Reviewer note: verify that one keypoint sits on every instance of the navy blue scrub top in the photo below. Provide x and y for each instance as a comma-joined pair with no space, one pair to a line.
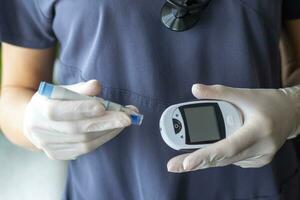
123,44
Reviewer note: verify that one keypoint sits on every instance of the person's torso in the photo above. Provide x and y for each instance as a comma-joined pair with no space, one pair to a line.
123,44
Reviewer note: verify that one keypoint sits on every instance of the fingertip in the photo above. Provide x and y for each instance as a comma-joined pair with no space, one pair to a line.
199,90
133,108
93,81
169,167
92,87
176,164
197,86
89,88
174,167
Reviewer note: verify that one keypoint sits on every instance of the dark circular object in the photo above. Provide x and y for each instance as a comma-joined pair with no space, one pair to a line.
178,19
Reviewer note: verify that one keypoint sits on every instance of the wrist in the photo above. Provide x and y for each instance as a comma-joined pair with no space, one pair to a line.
12,104
293,97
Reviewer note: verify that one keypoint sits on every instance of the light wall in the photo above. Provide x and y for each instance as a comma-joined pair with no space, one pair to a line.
29,175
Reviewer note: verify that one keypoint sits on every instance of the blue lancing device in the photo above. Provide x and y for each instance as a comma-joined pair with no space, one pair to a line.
60,93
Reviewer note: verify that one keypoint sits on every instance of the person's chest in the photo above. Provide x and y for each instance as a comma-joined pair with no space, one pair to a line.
101,38
136,14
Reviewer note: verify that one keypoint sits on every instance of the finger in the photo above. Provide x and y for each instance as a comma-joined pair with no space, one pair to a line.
175,164
224,152
67,110
45,137
218,92
255,162
54,153
109,120
72,151
133,108
90,88
85,147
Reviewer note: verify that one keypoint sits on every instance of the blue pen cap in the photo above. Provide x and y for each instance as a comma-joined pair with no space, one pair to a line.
45,89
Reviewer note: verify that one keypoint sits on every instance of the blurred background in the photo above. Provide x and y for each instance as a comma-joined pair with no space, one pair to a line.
29,175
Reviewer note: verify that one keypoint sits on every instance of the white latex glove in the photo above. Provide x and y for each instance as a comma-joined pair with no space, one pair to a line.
67,129
270,117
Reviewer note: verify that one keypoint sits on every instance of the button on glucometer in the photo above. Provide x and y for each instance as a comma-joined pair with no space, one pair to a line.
177,125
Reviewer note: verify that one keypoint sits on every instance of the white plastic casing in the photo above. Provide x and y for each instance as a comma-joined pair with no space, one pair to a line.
233,120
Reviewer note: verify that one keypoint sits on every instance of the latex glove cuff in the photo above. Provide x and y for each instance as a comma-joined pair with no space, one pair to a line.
293,94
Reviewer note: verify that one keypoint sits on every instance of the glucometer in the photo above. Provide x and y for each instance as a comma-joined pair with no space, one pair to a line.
194,125
60,93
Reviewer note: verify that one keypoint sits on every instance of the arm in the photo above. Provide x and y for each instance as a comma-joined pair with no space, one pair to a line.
63,130
22,71
290,48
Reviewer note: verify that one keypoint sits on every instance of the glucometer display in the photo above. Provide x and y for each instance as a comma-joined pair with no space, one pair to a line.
203,123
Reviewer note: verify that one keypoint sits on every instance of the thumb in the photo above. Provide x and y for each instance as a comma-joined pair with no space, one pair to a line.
218,92
89,88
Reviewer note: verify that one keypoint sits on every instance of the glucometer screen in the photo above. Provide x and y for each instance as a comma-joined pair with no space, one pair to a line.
203,124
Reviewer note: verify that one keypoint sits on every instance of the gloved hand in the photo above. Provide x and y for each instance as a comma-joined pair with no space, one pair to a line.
270,117
67,129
